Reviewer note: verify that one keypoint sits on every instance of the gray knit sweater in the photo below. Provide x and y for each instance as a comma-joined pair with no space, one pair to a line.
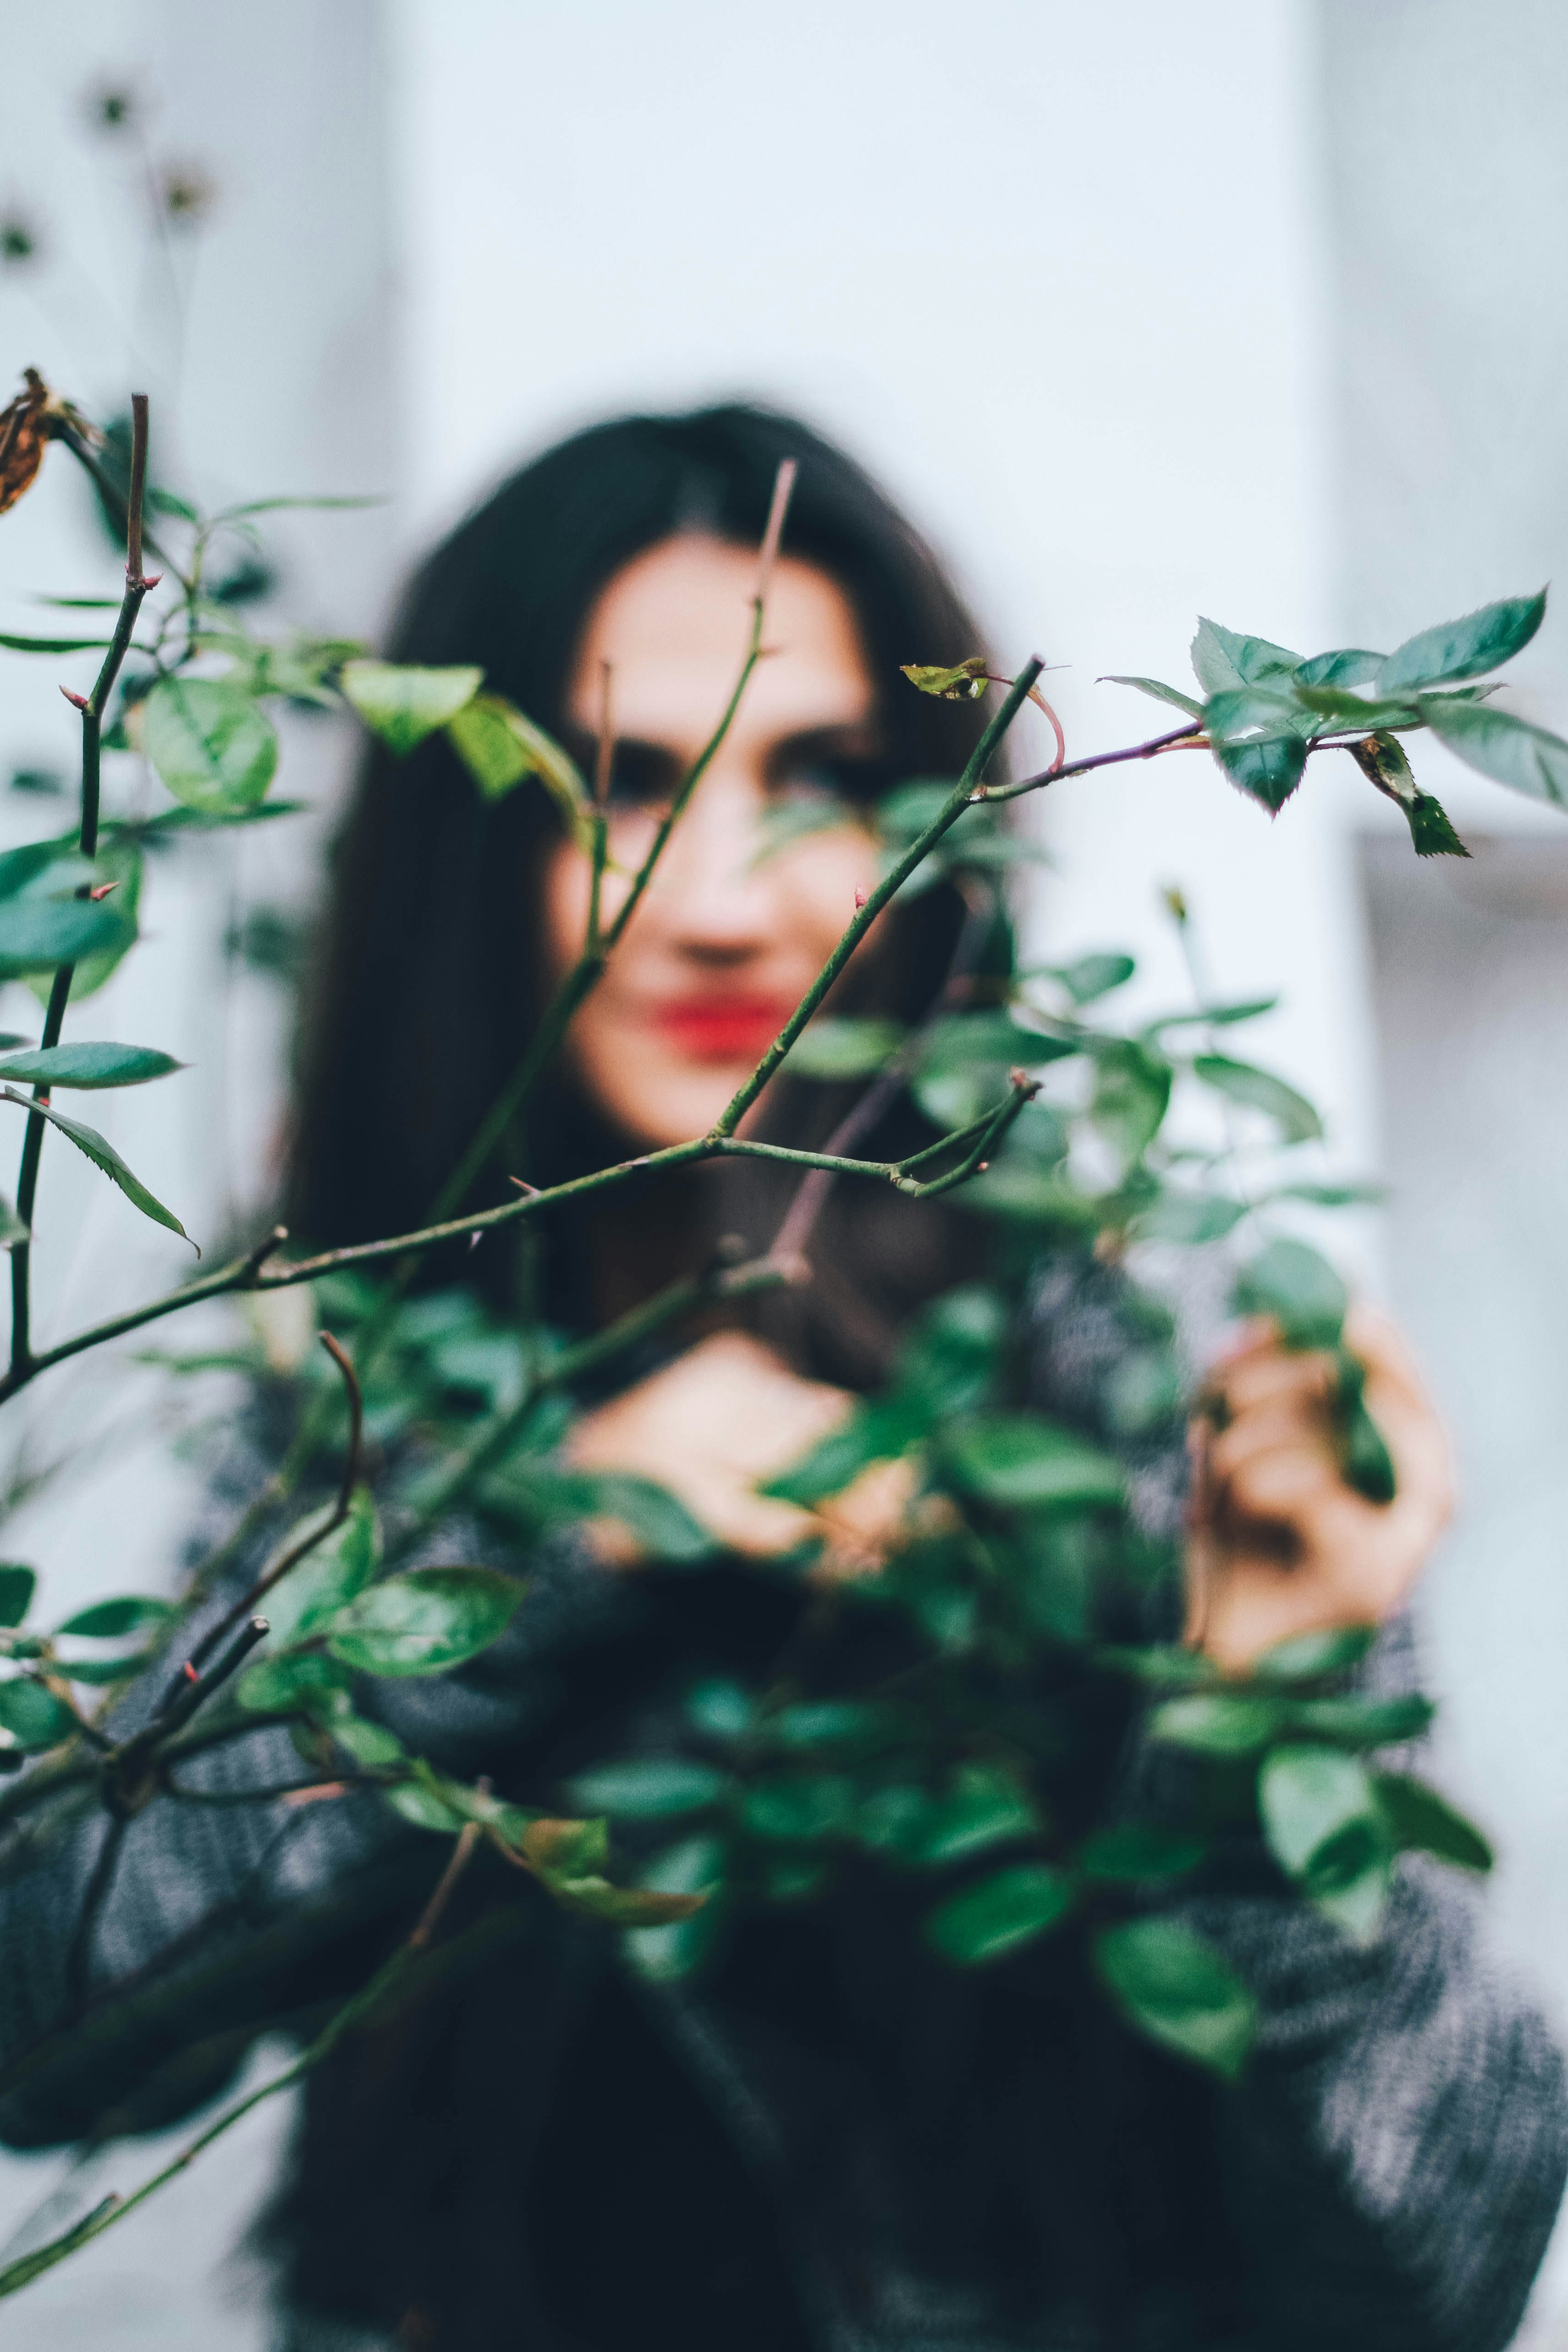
1389,2167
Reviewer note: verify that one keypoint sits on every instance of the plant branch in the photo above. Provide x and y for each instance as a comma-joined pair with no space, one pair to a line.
308,1543
1190,738
952,809
407,1965
92,711
585,974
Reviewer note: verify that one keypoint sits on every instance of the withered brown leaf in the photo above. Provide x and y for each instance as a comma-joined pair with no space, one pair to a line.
35,416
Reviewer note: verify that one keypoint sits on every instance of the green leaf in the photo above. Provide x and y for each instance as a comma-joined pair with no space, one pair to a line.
962,683
1132,1093
648,1789
1259,739
482,736
17,1586
827,1723
1212,1017
665,1954
1323,1824
878,1430
1507,749
422,1807
1306,1656
33,1716
1431,832
986,1808
785,822
1463,648
1306,1795
213,746
722,1709
1299,1289
88,1066
950,1358
100,1671
1352,665
1160,692
663,1527
500,747
800,1810
844,1047
1255,1089
1129,1852
299,1678
425,1620
402,704
1093,976
1024,1461
119,860
128,1613
1188,1217
1330,1196
20,867
1421,1819
1174,1987
1363,1722
1217,1723
1221,660
103,1155
54,645
369,1743
39,934
329,1577
1001,1914
278,506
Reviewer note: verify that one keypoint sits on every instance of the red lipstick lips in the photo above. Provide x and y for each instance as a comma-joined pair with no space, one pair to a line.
730,1028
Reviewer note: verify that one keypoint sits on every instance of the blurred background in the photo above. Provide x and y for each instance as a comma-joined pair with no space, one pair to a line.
1253,308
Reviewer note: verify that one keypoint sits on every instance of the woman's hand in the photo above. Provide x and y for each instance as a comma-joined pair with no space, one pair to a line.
1279,1543
723,1417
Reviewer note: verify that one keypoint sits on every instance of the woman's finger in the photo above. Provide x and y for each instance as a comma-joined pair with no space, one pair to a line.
1273,1372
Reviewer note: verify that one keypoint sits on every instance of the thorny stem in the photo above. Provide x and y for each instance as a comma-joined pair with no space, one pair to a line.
586,973
92,711
952,809
1190,738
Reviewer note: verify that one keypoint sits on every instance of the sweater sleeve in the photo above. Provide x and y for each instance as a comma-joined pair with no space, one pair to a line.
1398,2148
137,1958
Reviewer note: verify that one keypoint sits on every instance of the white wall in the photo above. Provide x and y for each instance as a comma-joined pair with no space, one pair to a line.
1053,272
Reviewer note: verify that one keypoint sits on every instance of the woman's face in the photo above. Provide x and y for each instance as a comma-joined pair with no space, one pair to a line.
725,941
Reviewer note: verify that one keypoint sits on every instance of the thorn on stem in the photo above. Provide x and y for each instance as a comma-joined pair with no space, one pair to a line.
860,901
78,701
532,1190
103,891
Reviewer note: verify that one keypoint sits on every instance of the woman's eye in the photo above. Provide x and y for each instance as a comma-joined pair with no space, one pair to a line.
853,782
641,776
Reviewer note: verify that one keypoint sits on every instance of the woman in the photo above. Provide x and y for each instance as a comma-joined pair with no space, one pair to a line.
832,2140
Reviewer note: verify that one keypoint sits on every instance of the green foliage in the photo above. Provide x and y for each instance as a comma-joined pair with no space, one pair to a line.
1001,1914
103,1156
1171,1985
17,1586
425,1620
89,1066
403,704
212,746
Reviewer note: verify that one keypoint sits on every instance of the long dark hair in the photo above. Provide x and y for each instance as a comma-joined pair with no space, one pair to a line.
426,989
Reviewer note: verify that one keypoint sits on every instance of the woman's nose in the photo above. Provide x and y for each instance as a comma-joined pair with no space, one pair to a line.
710,892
